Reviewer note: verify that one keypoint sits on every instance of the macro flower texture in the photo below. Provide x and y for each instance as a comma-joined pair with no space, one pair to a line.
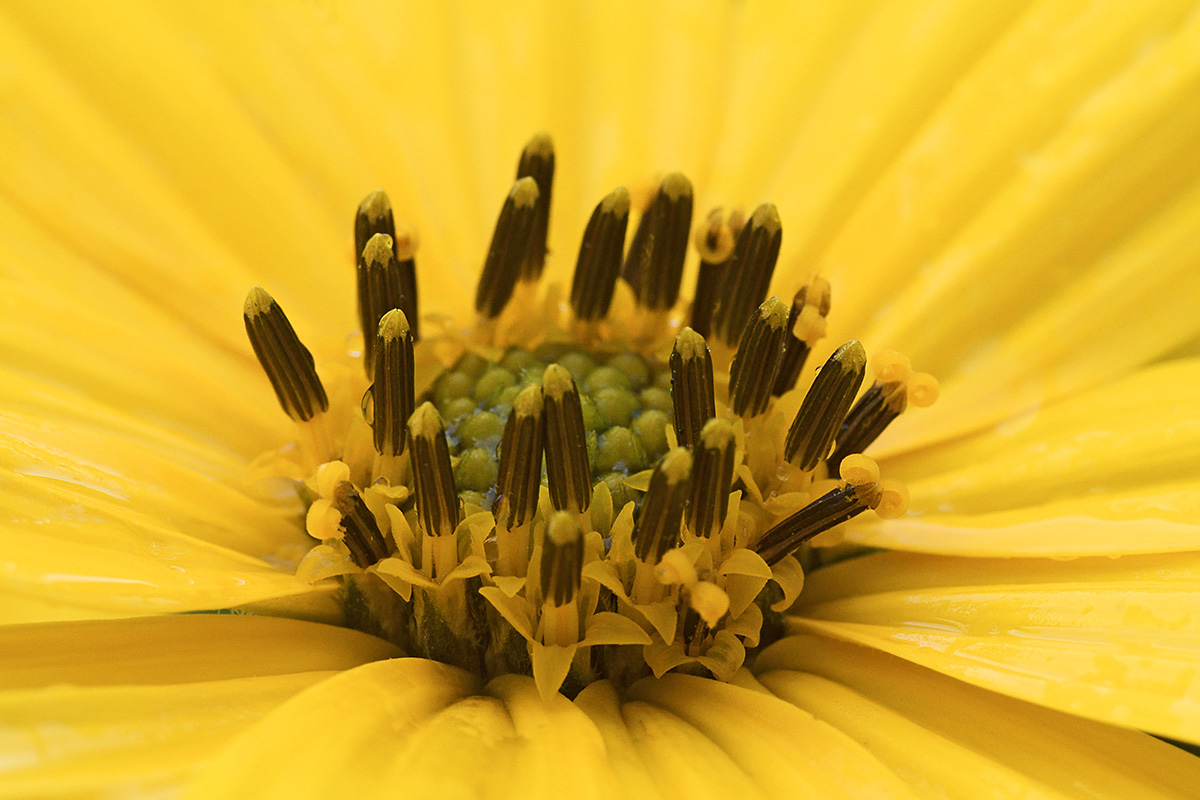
647,400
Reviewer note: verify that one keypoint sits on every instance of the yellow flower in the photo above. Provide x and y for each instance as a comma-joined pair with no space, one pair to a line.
1006,192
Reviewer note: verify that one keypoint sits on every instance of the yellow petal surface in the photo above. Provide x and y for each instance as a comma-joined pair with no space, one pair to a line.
1115,462
339,737
1116,640
947,738
786,751
72,741
183,649
1117,163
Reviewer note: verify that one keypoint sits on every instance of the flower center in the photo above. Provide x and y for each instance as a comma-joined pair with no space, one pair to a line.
604,486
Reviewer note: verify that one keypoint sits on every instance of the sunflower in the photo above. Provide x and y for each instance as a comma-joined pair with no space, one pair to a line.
995,190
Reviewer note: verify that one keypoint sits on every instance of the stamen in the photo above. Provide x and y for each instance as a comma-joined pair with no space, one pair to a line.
520,460
437,502
714,240
748,274
895,387
537,162
363,539
711,478
510,243
599,262
825,405
691,386
393,393
838,506
562,559
378,291
752,373
657,527
288,363
874,411
567,471
806,327
374,216
654,265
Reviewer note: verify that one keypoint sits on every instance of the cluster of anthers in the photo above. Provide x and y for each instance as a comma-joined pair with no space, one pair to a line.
573,489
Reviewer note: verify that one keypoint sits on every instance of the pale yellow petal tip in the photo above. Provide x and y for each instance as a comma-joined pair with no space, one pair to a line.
425,422
557,381
859,470
257,302
393,325
923,390
676,185
714,238
407,242
689,345
890,366
563,528
378,250
375,206
541,144
716,434
893,499
774,312
709,601
766,216
677,465
616,202
524,193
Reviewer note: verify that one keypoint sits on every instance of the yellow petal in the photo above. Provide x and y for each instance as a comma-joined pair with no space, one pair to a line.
342,736
601,703
942,747
1116,640
683,761
1152,519
1139,431
183,649
787,752
1121,156
558,746
131,740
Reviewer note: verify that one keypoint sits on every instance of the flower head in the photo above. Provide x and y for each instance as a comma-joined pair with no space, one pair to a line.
1005,194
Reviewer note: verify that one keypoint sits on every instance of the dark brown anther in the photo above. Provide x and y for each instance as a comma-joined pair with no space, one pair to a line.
363,538
834,508
374,215
712,477
714,241
654,264
393,393
288,363
521,449
752,373
510,242
537,162
869,417
748,275
806,326
691,386
568,473
562,559
825,406
599,262
656,529
437,502
378,291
